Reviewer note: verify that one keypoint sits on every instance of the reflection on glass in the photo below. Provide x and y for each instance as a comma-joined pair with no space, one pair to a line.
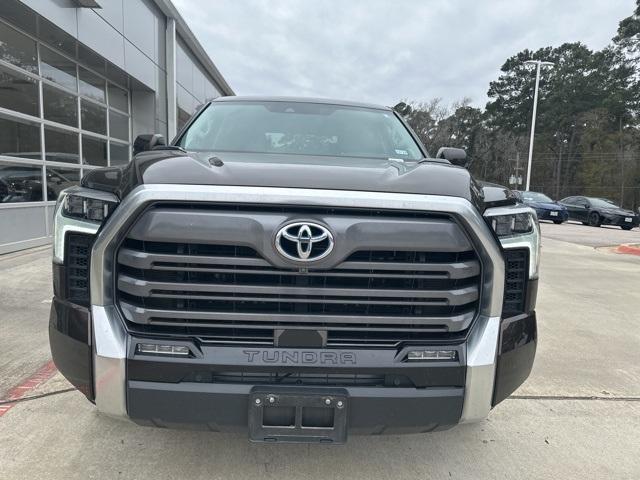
20,183
91,59
18,14
118,125
94,117
55,36
91,85
60,146
94,151
57,68
118,98
116,74
120,154
59,106
18,49
60,178
18,92
18,139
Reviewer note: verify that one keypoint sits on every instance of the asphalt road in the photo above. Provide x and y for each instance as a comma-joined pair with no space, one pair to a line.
605,236
578,415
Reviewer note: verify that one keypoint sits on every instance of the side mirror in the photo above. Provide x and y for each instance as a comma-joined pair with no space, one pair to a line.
456,156
144,143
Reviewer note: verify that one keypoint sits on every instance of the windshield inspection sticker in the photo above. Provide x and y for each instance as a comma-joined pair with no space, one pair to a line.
402,152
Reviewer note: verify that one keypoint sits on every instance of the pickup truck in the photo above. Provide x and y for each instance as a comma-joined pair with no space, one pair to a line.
297,269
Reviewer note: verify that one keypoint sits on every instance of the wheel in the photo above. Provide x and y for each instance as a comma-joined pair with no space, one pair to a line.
626,227
594,219
557,222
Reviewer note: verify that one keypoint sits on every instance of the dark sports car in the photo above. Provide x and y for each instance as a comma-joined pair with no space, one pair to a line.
598,211
546,208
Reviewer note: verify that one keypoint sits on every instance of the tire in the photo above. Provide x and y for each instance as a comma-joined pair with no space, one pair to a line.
557,222
626,227
594,219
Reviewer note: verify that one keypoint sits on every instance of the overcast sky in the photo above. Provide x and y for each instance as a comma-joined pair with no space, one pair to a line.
383,51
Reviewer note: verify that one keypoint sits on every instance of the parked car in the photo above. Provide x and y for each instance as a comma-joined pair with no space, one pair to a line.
546,208
598,211
277,270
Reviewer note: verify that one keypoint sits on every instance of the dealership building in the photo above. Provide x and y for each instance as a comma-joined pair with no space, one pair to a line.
79,80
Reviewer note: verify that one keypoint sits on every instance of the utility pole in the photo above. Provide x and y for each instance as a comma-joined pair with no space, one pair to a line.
621,153
518,168
516,176
538,64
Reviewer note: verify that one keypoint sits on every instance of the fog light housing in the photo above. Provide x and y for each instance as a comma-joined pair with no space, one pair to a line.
431,355
159,349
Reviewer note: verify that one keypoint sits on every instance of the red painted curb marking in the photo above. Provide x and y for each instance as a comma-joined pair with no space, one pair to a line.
628,249
43,374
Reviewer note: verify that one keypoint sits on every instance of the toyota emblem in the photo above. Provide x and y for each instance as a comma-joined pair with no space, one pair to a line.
304,241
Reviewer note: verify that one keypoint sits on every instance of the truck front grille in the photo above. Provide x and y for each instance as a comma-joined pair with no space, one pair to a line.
231,294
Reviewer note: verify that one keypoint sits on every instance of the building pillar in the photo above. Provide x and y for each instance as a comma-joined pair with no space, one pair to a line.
172,111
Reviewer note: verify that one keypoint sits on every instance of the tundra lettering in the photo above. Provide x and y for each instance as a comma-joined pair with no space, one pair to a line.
292,357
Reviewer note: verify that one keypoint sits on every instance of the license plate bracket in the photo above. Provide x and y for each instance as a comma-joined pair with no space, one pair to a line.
296,415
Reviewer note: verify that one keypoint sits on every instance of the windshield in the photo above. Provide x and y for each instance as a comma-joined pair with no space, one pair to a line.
601,203
536,197
300,128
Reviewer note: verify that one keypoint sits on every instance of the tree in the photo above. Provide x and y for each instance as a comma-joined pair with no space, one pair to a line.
628,37
581,82
587,128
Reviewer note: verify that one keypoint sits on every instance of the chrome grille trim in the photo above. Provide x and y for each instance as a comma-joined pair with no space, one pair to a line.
199,319
145,288
154,261
102,292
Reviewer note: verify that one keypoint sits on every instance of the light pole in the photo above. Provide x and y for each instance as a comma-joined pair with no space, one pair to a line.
538,64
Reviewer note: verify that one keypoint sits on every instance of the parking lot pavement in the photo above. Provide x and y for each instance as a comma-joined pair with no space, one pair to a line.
578,416
605,236
25,299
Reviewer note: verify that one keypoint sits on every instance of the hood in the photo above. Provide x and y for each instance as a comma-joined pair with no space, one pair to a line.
293,171
546,205
618,211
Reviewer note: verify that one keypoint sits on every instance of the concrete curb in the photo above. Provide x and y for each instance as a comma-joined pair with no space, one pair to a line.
628,249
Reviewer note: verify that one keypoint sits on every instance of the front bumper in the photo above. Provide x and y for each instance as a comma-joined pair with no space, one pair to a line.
553,215
94,351
224,408
621,220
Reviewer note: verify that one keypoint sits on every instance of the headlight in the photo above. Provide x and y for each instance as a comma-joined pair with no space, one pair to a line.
517,227
79,210
513,224
86,208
